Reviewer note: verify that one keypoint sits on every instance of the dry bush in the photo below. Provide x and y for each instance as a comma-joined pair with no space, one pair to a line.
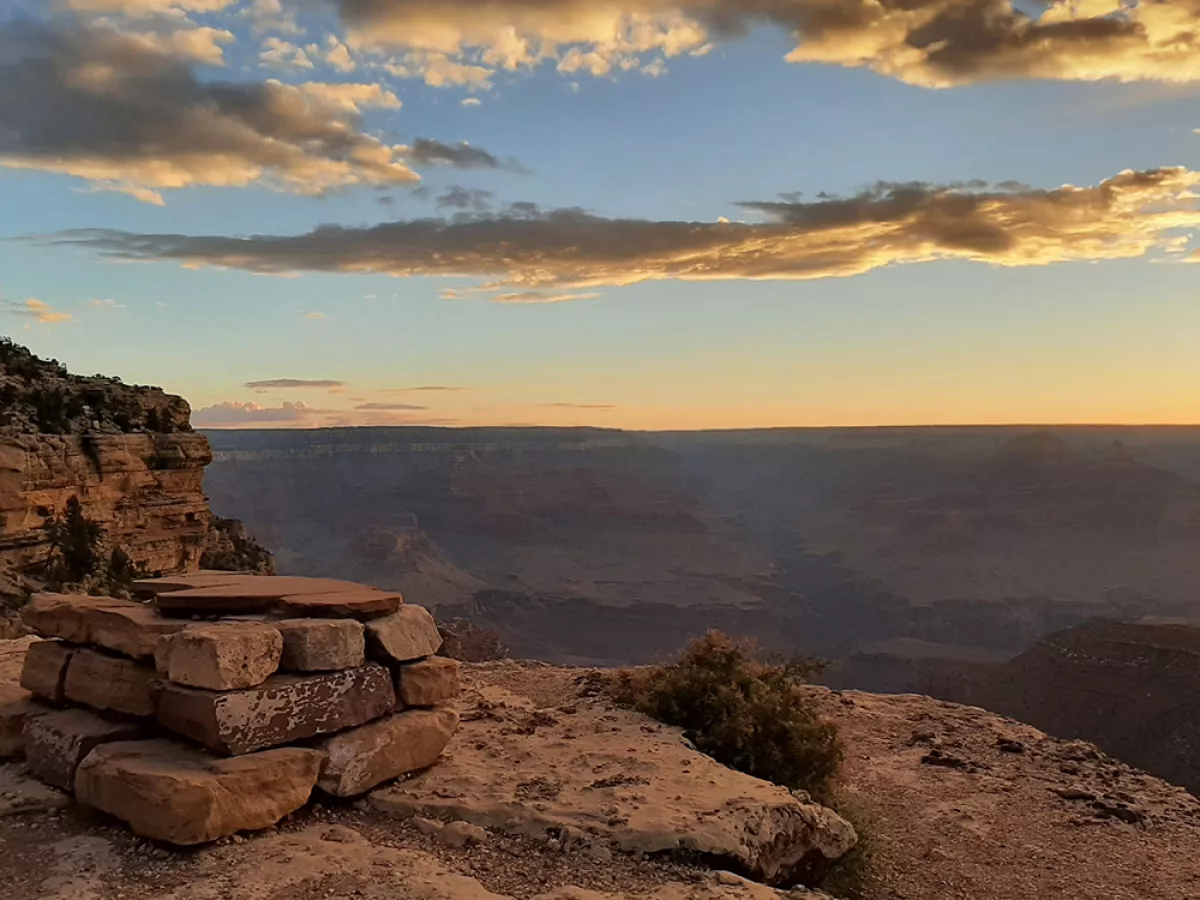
748,714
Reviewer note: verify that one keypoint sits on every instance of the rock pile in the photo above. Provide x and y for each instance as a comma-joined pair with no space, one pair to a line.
221,701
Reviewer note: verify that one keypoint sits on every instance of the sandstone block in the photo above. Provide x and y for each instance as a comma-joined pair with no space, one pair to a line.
237,593
173,793
406,635
428,682
223,657
322,645
57,742
358,760
45,669
123,626
284,709
14,715
364,603
106,682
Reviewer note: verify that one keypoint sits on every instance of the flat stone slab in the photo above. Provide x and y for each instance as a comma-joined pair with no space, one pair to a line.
365,603
364,758
169,792
617,775
45,671
249,594
429,682
224,656
57,742
284,709
113,683
123,626
322,645
406,635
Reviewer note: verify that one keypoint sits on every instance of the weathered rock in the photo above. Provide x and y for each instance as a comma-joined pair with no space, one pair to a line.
223,657
20,793
322,645
283,709
628,782
173,793
45,670
244,593
365,603
106,682
428,682
14,715
57,742
358,760
123,626
406,635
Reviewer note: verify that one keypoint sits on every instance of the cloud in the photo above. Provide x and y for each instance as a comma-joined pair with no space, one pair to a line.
108,108
200,44
462,198
37,310
438,388
388,407
315,315
597,407
439,70
933,43
539,297
280,54
293,383
471,101
135,8
242,413
352,97
336,53
1133,214
425,151
270,15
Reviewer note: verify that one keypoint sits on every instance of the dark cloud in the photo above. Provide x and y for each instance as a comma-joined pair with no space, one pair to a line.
126,115
428,152
286,383
1129,215
466,199
935,43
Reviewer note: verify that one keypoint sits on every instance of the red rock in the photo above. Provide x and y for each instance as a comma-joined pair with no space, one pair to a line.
57,742
123,626
247,594
14,715
406,635
169,792
428,682
360,759
284,709
45,669
106,682
365,603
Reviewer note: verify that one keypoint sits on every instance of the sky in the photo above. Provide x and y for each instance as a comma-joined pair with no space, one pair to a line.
645,214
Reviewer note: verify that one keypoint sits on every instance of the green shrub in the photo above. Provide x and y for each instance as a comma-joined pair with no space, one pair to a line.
74,546
748,714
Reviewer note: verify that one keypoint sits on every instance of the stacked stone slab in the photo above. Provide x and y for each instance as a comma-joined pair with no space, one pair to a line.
218,702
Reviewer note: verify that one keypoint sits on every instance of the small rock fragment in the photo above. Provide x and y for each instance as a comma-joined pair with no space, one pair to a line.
460,834
406,635
428,682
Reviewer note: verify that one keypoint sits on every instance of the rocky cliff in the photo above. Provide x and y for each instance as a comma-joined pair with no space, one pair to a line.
123,460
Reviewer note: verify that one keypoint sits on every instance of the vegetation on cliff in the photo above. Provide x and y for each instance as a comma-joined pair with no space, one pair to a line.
40,395
748,714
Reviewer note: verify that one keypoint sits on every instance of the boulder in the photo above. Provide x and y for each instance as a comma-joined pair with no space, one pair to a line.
14,715
406,635
122,626
106,682
283,709
236,593
365,603
223,657
45,669
623,779
428,682
363,758
57,742
322,645
169,792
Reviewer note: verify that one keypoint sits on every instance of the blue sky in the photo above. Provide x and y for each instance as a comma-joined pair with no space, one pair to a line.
1076,308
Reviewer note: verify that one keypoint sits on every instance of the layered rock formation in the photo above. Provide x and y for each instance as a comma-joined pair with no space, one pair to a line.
126,455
